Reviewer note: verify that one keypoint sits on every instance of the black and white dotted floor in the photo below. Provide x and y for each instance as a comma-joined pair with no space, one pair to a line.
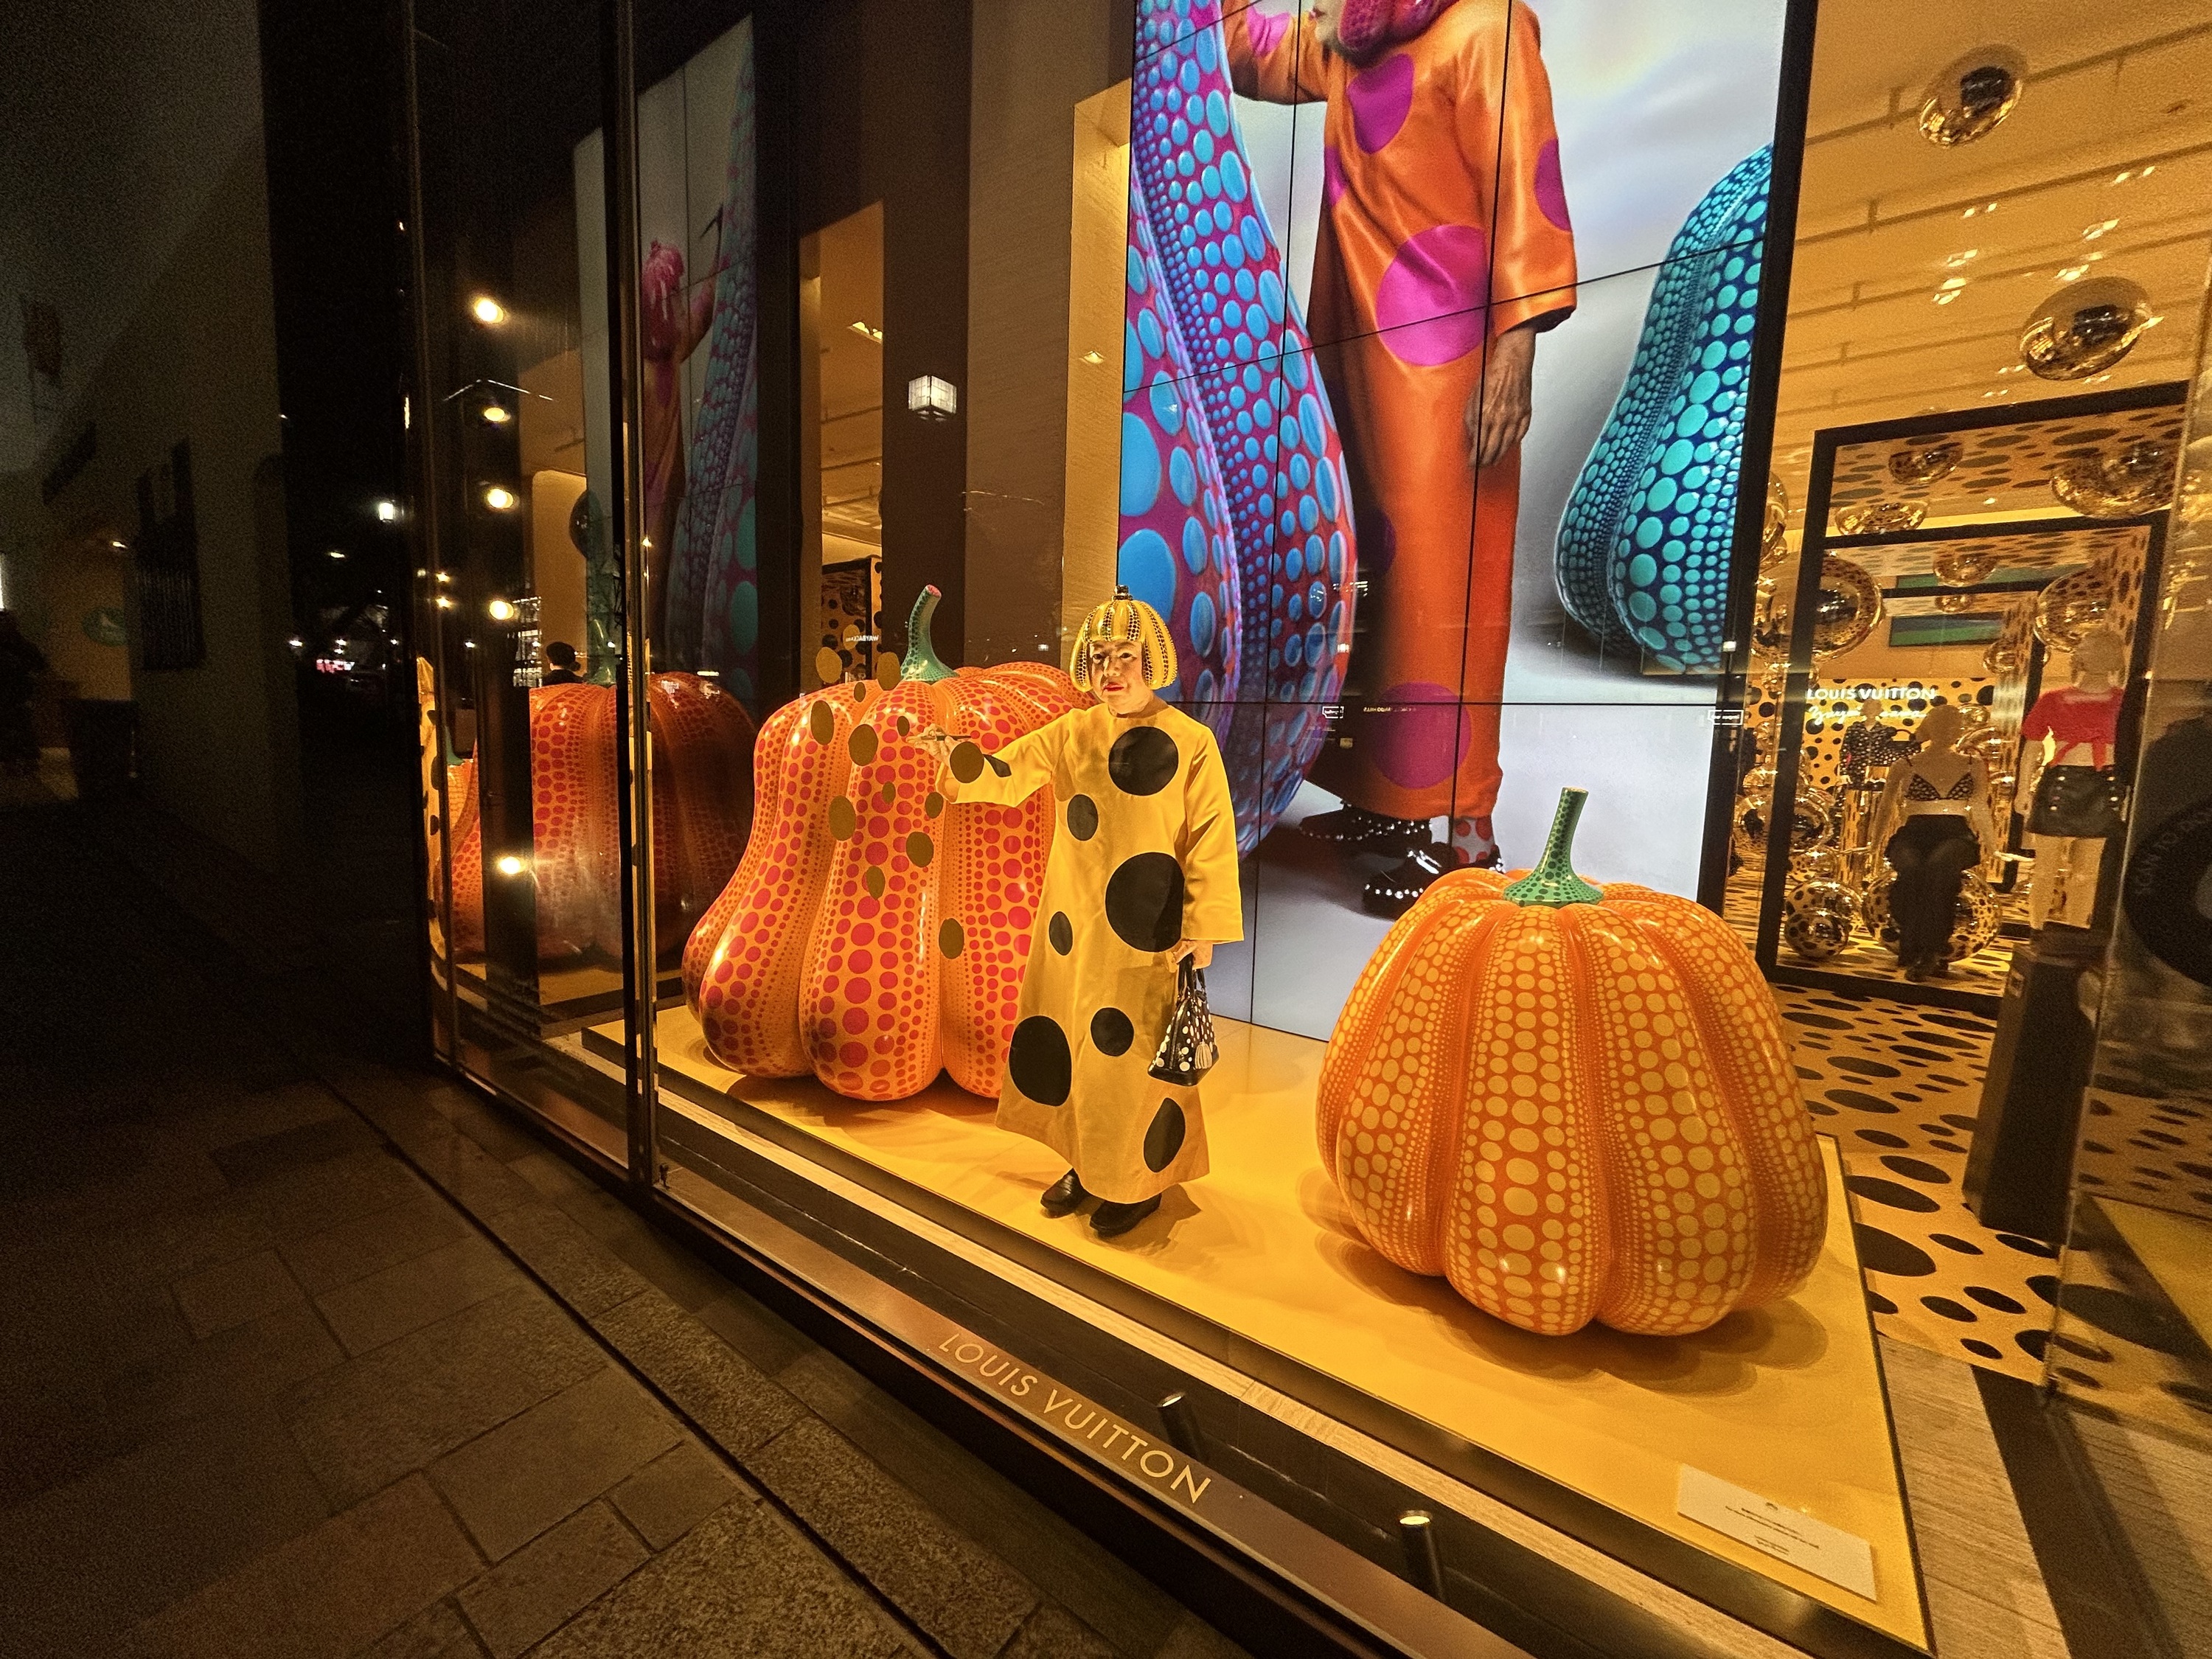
1899,1086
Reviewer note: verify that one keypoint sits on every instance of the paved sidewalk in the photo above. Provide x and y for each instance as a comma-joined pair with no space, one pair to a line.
267,1390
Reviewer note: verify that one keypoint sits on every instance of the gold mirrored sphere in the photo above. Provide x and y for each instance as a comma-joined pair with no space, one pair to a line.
1964,566
1846,607
1954,604
1971,95
2070,607
1777,518
2138,478
1879,517
1925,460
2084,328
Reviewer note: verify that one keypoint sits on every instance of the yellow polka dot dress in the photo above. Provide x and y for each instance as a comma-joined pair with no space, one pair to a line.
1144,854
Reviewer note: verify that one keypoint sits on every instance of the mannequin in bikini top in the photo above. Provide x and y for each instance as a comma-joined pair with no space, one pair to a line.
1938,780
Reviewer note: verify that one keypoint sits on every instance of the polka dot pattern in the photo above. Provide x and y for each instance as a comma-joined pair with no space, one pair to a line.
1247,548
1573,1114
1644,544
701,804
872,934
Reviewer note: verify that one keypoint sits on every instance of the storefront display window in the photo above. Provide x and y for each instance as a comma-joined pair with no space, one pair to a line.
1005,508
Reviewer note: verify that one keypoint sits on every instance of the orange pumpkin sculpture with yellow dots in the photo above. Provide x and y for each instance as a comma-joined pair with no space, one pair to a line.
872,934
1574,1102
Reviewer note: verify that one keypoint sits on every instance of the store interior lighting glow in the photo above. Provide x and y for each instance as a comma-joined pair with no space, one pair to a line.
511,865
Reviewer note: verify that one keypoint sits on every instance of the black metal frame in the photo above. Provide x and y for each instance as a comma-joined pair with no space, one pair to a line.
1790,727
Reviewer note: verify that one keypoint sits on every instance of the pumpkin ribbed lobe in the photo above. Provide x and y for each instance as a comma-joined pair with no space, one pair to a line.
1750,1055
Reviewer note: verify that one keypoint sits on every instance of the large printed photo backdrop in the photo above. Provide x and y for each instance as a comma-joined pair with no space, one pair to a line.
1338,208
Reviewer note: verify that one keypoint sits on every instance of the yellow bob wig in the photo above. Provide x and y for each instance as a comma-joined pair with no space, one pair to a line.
1124,619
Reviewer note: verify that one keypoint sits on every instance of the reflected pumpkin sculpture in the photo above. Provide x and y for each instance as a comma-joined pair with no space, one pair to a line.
873,935
702,741
1574,1102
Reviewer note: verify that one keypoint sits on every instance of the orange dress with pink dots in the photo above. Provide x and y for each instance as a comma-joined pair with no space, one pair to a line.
1443,225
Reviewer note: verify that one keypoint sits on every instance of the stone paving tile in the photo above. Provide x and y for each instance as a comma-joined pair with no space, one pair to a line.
86,1559
247,1163
700,1372
159,1248
739,1585
380,1416
436,1633
215,1298
512,1483
250,1114
475,1179
253,1364
386,1305
966,1598
582,1271
1051,1633
679,1274
1193,1638
538,1588
326,1593
549,1174
760,1335
354,1249
300,1203
674,1493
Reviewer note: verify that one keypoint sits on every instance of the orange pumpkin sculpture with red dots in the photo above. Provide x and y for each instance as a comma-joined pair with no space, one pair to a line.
702,741
1574,1104
873,934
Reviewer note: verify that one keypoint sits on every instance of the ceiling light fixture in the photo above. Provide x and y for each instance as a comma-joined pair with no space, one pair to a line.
387,511
501,611
487,311
496,414
499,498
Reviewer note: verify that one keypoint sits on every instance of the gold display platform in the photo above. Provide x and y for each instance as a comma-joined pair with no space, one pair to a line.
1786,1401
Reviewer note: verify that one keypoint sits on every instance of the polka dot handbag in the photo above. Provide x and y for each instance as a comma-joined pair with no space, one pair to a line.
1188,1050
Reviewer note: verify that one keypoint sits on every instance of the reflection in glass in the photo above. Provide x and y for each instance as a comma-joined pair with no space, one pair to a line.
1845,608
1879,517
2070,606
1925,462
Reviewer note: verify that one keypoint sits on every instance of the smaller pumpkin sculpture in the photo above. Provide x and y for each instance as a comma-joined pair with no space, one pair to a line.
702,742
873,934
1576,1103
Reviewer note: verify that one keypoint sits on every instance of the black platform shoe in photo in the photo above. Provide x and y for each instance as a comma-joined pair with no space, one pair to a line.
1063,1195
1355,830
1392,893
1112,1220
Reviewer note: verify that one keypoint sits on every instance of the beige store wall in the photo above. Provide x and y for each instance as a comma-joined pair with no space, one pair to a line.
218,744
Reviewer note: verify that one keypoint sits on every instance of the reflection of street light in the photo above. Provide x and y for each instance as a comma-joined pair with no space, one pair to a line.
496,414
387,511
499,498
487,311
501,611
337,553
511,865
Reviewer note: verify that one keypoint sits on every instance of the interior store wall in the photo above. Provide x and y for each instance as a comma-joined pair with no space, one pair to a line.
1021,219
218,744
855,145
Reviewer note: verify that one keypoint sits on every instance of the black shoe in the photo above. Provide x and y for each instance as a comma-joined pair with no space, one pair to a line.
1355,830
1393,892
1063,1195
1112,1220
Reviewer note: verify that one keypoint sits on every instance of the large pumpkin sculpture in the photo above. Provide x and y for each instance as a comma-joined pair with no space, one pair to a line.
1574,1102
702,741
873,935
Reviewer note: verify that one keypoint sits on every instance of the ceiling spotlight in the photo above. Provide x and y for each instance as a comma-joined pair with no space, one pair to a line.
387,511
511,865
502,611
499,498
496,414
487,311
337,553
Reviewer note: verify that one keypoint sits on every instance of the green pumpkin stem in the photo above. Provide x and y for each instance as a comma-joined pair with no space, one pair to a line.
922,662
1553,881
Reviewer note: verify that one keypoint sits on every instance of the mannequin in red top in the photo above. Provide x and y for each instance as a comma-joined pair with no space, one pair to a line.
2071,724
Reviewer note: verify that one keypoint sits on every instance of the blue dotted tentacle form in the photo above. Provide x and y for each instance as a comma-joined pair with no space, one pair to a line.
1235,517
1644,543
